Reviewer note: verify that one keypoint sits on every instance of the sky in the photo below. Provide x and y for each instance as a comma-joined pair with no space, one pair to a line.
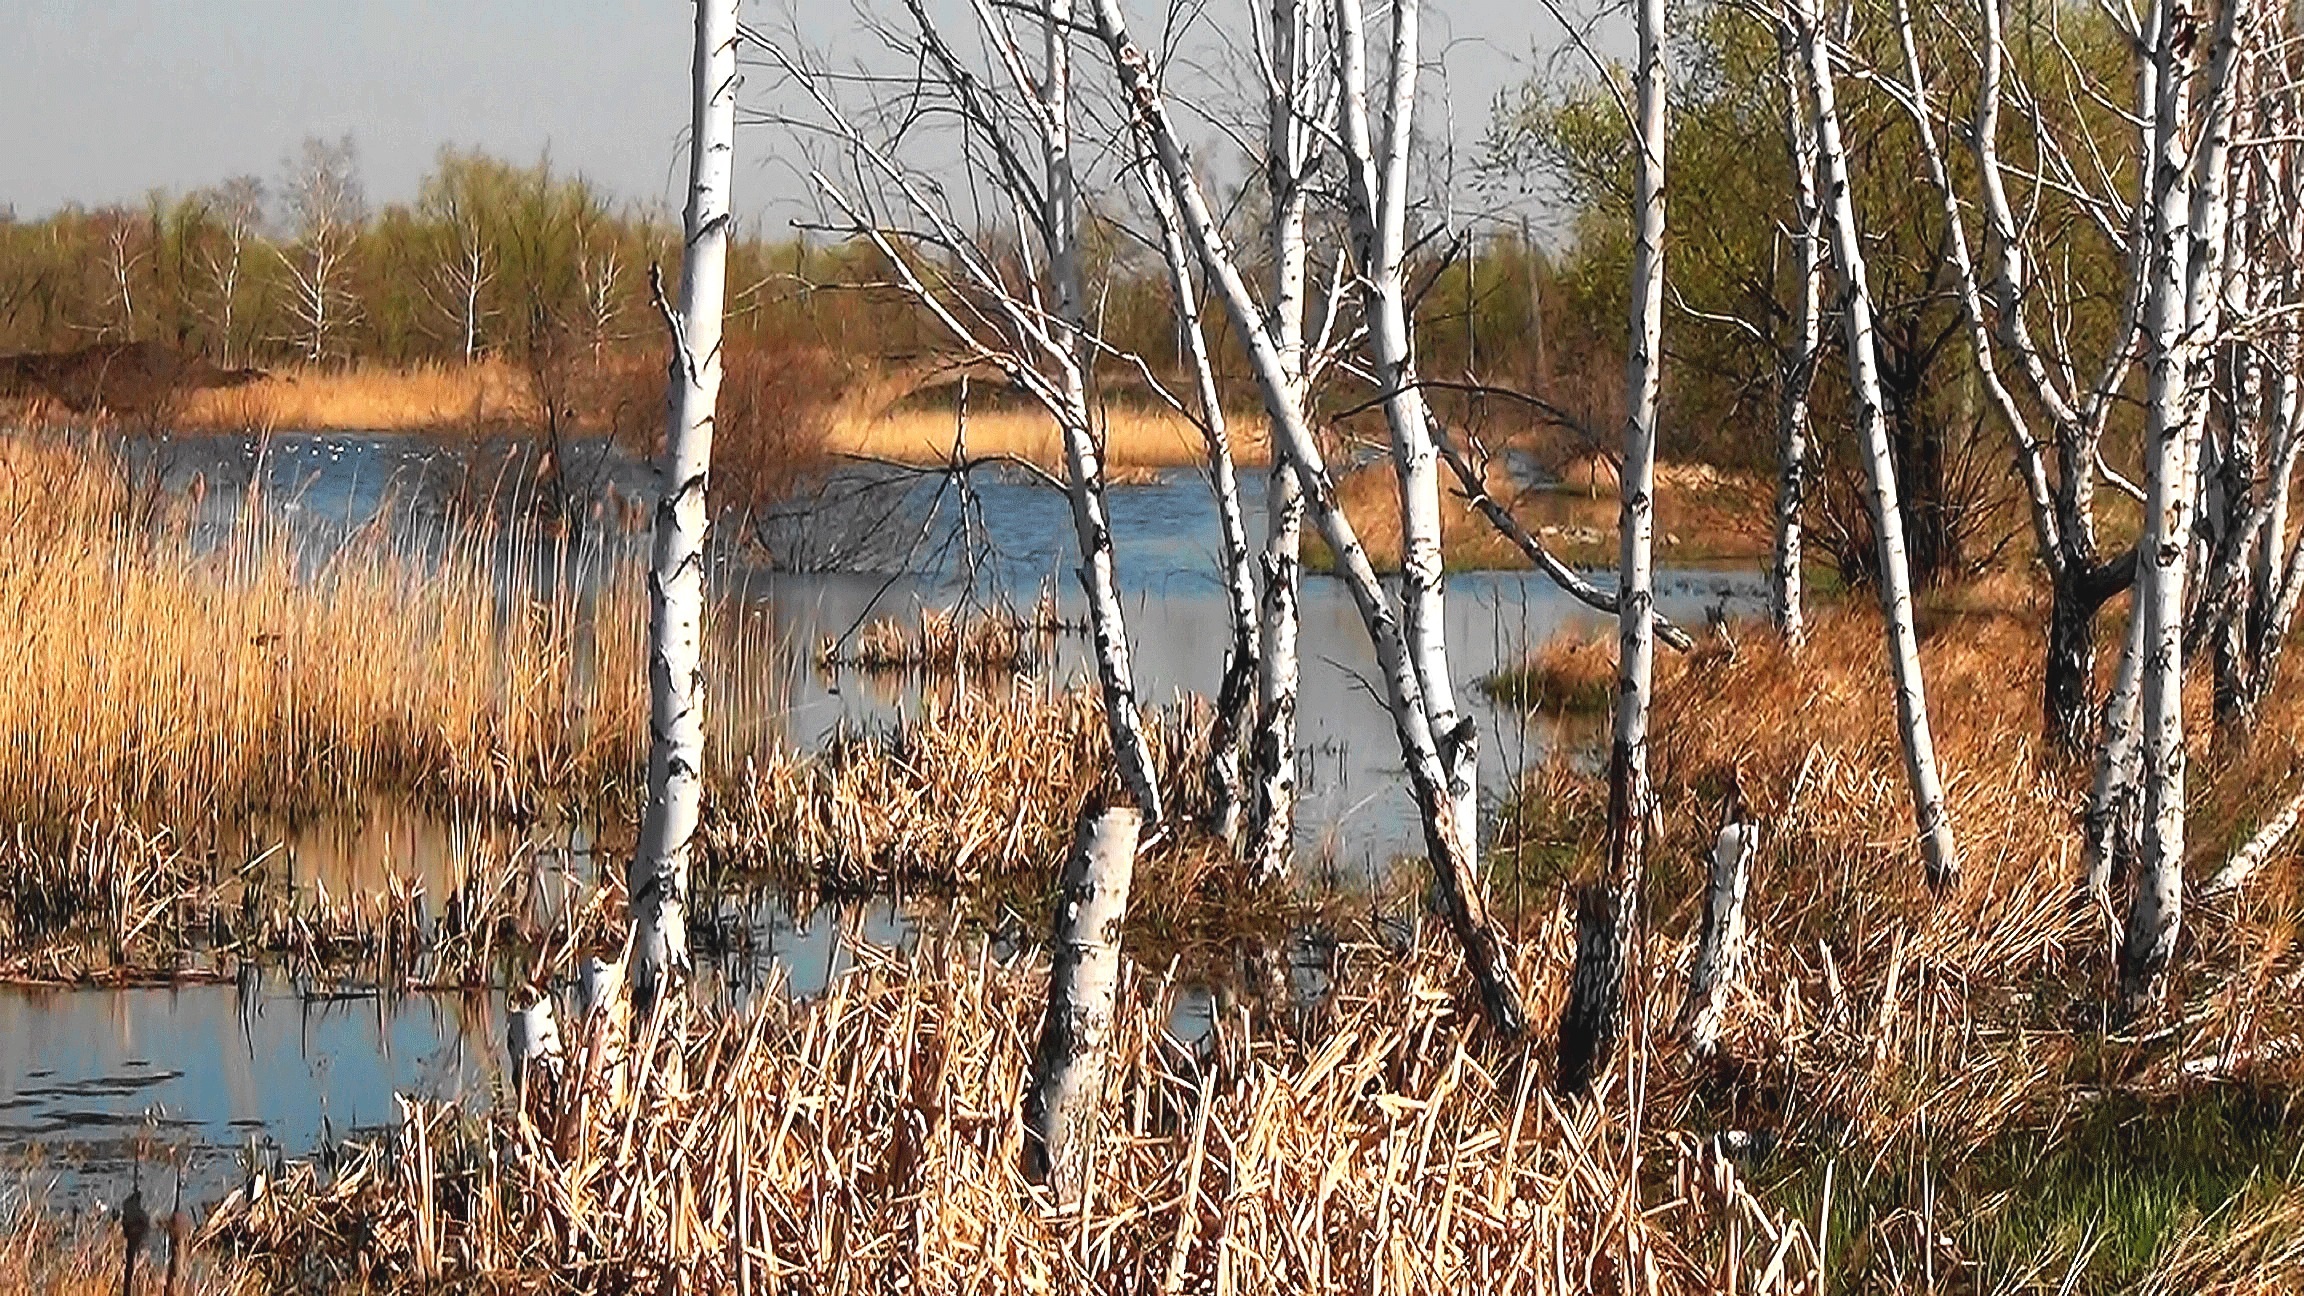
106,100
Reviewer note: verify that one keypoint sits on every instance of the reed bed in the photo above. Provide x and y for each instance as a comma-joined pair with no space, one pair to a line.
119,904
1956,1043
868,1140
951,640
981,782
370,398
1567,673
1134,438
151,671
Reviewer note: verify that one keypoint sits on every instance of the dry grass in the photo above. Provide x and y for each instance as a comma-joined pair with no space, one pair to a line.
868,1140
1931,1099
893,416
47,1253
370,398
1954,1052
983,782
1703,515
947,640
150,676
160,691
1568,673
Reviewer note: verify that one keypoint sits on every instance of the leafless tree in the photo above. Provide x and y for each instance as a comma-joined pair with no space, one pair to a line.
325,207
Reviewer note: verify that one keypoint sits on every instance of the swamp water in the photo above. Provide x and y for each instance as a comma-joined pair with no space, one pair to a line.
92,1079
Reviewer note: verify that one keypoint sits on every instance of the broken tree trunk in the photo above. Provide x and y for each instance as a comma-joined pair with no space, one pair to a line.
1720,945
1060,1107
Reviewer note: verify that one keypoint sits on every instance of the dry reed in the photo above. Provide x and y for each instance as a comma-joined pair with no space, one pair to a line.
370,398
1568,673
868,1140
950,640
984,781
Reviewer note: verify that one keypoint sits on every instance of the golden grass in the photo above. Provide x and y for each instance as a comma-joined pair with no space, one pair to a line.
369,398
1570,673
144,673
1132,436
983,782
1703,515
869,1140
946,640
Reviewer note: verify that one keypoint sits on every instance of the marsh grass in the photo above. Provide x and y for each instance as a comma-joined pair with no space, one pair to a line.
1951,1056
982,781
163,685
869,1139
951,640
1574,674
487,394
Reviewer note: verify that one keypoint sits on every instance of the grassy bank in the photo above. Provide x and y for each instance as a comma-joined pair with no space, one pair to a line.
874,416
1706,516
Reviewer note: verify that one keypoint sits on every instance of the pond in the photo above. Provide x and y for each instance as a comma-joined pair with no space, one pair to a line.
89,1077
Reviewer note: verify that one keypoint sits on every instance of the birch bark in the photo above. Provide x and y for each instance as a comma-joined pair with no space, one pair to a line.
1060,1107
1083,459
1786,605
1376,188
1287,167
657,883
1929,813
1243,657
2155,917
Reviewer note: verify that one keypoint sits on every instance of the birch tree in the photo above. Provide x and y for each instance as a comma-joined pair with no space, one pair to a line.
1293,109
657,884
1855,309
2181,314
1376,199
1243,655
1584,1050
1796,373
1026,316
237,206
326,207
1437,762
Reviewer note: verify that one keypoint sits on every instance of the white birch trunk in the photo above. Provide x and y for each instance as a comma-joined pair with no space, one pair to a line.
2106,831
1060,1107
1929,813
658,880
1377,192
1608,915
1287,148
2182,317
2156,916
1636,517
1427,756
1786,605
1234,694
1083,460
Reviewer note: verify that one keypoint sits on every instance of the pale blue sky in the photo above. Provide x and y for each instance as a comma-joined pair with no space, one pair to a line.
103,100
